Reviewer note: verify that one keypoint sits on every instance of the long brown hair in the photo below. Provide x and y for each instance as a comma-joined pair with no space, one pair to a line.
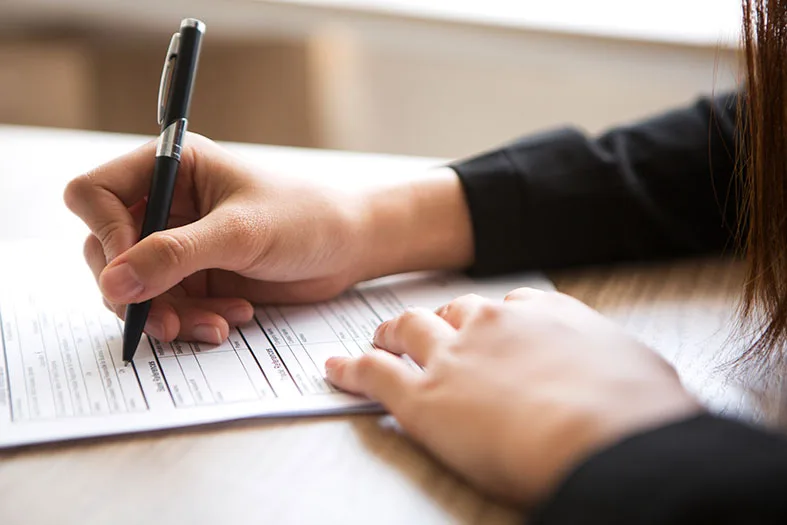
764,147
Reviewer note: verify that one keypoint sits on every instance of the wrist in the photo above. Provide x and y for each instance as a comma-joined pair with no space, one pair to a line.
578,435
422,224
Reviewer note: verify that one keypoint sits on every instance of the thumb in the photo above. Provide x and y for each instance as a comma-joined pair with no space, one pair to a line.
164,259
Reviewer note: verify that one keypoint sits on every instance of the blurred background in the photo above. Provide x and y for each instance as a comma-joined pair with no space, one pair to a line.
444,78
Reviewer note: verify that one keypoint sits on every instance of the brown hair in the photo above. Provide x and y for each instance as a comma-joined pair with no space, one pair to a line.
764,146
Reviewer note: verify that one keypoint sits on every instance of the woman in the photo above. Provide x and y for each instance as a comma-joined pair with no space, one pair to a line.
539,399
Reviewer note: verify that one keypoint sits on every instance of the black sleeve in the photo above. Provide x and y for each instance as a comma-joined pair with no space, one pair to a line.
701,470
660,188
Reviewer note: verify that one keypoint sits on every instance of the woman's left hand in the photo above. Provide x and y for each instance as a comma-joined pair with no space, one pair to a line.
515,395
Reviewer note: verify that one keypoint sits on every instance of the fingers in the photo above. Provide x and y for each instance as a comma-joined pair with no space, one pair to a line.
172,316
164,259
377,375
109,199
94,255
209,320
163,321
234,310
190,319
457,312
417,332
127,177
200,324
460,310
102,197
175,315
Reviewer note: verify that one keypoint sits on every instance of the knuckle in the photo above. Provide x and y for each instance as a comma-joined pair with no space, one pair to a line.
445,310
488,312
518,292
365,367
464,301
546,300
172,249
107,234
90,247
94,254
408,316
191,150
402,324
467,298
196,152
76,190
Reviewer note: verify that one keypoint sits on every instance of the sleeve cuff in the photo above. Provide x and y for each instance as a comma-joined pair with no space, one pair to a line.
494,197
700,470
533,203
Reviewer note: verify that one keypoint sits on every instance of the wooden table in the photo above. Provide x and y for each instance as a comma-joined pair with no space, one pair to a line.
354,469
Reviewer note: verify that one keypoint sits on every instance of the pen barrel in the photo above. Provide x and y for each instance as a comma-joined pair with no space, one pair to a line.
162,188
183,74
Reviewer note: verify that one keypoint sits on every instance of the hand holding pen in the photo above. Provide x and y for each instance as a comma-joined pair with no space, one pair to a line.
240,234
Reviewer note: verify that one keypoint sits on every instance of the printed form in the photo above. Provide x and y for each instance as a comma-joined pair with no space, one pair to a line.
62,377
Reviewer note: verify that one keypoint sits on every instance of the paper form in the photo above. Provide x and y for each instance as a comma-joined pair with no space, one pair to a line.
694,336
61,374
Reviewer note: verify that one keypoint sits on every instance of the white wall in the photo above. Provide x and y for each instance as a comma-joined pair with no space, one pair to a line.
451,91
438,83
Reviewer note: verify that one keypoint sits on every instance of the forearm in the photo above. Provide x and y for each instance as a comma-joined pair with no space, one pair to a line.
662,187
423,224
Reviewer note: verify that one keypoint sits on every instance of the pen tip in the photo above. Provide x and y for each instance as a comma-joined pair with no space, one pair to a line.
126,363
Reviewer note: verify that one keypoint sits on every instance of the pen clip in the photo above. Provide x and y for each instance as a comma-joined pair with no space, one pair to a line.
166,75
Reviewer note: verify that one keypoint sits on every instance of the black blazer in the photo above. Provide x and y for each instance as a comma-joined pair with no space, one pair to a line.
661,188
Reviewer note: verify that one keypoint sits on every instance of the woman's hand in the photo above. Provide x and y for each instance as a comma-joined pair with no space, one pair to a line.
234,238
515,395
239,235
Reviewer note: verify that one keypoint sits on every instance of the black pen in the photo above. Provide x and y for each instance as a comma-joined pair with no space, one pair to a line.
174,98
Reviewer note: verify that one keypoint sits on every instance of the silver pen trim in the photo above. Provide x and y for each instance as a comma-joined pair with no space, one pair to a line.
166,75
170,142
193,22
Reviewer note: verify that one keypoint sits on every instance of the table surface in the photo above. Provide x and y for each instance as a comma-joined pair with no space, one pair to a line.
352,469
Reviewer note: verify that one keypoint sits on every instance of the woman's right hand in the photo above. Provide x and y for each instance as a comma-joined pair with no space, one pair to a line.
238,235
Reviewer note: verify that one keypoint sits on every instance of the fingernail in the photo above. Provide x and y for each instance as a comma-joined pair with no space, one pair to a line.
154,327
207,333
121,283
378,333
239,314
